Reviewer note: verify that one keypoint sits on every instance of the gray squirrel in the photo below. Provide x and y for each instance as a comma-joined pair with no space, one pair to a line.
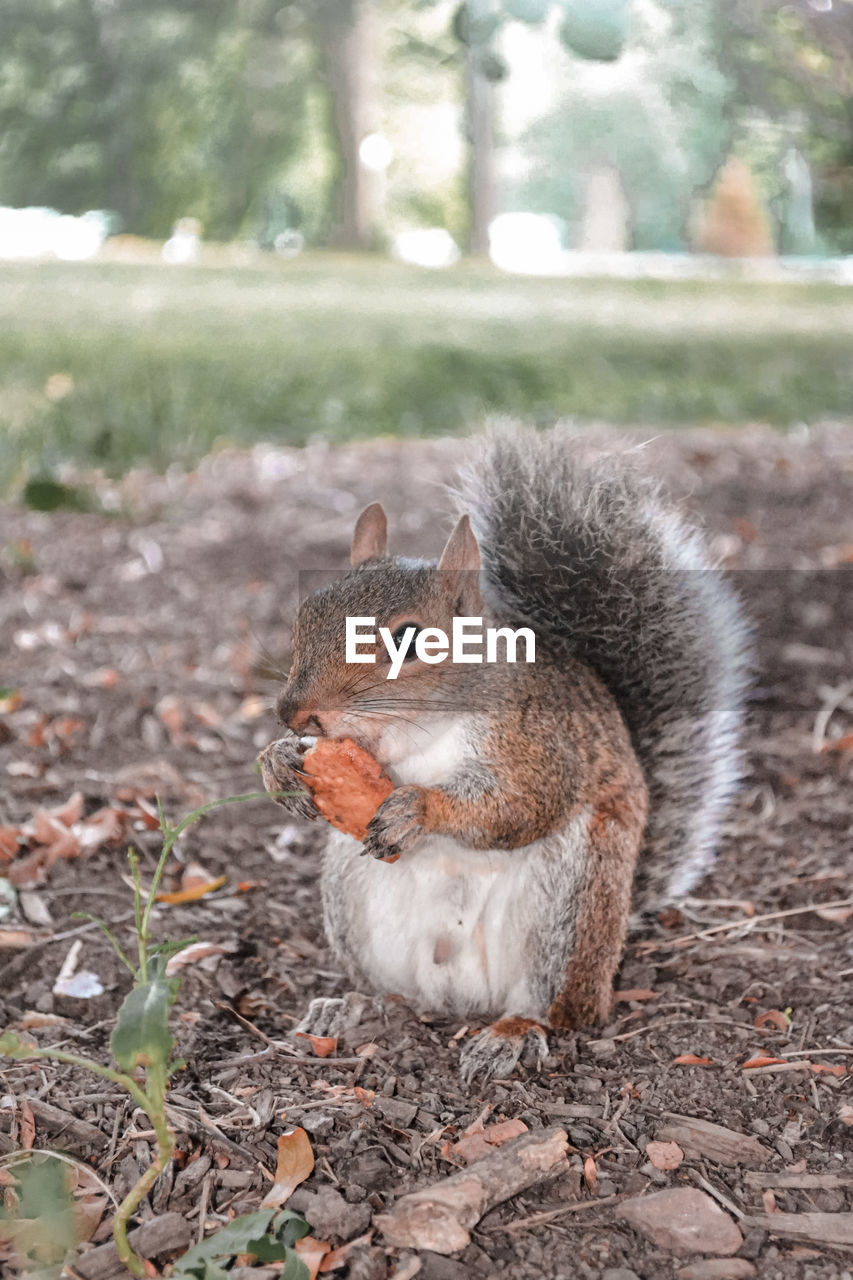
535,804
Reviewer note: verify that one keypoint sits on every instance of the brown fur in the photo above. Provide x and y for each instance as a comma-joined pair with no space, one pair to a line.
509,1028
615,835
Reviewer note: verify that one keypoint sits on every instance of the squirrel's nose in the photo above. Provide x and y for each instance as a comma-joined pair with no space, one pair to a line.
297,716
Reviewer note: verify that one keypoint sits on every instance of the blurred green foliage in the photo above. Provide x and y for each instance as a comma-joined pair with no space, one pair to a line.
150,110
38,1214
160,365
227,112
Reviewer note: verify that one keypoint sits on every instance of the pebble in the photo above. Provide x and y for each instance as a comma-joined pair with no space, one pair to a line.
683,1219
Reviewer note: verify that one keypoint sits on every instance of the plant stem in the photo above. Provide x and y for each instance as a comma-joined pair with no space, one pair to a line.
170,835
134,1197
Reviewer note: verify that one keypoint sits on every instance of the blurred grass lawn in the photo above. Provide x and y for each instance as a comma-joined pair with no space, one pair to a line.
161,363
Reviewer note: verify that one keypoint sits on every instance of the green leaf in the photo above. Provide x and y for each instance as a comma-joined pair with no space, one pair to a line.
294,1268
267,1235
12,1046
233,1239
595,29
45,494
532,11
42,1222
141,1037
290,1226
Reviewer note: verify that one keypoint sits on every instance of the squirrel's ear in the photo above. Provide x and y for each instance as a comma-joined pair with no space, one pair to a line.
460,560
370,538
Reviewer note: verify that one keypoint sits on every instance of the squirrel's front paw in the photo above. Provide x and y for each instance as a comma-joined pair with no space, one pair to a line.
397,824
281,763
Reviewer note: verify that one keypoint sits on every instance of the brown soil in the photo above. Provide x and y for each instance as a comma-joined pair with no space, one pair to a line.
132,639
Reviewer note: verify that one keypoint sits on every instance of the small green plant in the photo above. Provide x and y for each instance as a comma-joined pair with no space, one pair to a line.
39,1213
268,1235
142,1045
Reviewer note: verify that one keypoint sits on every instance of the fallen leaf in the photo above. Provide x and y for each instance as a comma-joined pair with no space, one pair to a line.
71,811
28,1126
773,1018
590,1173
58,839
312,1252
470,1148
664,1155
172,714
769,1200
845,1114
147,814
12,938
26,872
192,954
339,1257
837,915
636,993
830,1070
295,1164
192,895
105,826
253,707
207,715
691,1060
762,1062
10,842
34,908
32,1020
323,1046
194,875
503,1130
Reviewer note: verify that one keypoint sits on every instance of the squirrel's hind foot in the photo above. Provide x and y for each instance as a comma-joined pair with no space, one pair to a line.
498,1049
332,1015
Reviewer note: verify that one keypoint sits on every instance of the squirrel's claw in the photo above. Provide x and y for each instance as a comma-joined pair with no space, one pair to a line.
397,824
497,1050
280,764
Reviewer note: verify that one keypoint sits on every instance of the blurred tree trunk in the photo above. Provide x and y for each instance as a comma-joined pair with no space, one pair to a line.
345,36
481,162
476,27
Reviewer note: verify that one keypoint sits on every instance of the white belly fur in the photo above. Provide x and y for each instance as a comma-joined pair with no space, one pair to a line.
444,926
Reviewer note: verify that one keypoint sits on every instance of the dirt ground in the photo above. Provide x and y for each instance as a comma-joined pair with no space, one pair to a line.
133,638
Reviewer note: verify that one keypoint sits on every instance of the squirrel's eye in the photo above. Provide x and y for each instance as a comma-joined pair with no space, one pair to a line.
400,634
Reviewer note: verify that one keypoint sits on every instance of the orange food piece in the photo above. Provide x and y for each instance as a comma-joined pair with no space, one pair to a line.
347,784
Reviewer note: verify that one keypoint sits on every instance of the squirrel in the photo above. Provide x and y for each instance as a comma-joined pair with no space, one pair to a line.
534,803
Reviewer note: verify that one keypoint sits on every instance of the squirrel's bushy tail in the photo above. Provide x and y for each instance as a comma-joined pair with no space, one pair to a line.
586,552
